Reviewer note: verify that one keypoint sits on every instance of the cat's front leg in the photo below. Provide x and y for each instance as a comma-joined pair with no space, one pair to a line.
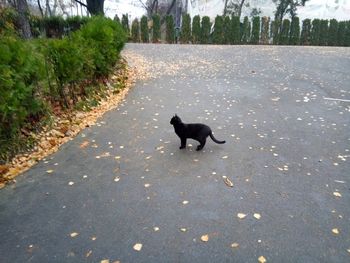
183,143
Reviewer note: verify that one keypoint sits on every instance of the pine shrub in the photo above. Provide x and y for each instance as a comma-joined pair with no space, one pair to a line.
218,33
294,38
170,29
236,34
333,32
144,30
125,24
205,30
323,33
245,35
135,31
284,38
227,30
156,28
185,36
305,38
315,32
276,32
255,30
196,29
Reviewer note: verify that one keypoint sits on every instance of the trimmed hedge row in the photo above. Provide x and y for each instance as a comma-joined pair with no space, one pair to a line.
39,73
229,30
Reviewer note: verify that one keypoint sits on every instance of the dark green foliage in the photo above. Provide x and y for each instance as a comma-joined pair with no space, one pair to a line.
185,36
116,18
294,38
218,33
315,32
265,30
54,26
135,31
323,33
236,34
333,32
227,30
275,32
205,30
125,24
347,34
156,28
341,34
284,37
305,38
196,29
144,30
74,23
170,29
245,36
21,69
255,30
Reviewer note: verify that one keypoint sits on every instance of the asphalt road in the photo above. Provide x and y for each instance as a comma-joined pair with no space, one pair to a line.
284,113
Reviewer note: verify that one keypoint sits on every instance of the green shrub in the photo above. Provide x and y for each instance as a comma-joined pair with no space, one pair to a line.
156,28
236,34
135,31
323,33
227,30
218,33
285,31
333,32
144,30
196,29
185,29
205,30
315,32
265,29
21,69
294,38
245,36
170,29
54,26
306,32
255,30
275,32
125,24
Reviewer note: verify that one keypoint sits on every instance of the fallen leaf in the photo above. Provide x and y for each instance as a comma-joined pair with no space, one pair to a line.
348,250
156,228
117,179
241,215
185,202
74,234
228,182
49,171
257,216
262,259
71,183
183,229
335,231
337,194
234,245
88,254
205,238
84,144
117,157
138,246
104,261
147,185
224,157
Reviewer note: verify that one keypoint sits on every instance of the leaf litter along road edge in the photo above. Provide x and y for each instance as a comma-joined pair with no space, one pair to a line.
24,161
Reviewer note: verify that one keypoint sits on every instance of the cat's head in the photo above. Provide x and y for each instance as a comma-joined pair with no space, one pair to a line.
174,120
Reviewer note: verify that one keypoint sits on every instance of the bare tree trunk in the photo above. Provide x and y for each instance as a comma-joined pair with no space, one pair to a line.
40,8
240,8
22,8
225,7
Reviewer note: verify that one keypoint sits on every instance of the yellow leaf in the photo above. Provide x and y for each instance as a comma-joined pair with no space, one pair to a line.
88,254
138,246
183,229
241,215
257,216
117,179
234,245
105,261
337,194
156,228
205,238
84,144
262,259
185,202
335,231
49,171
147,185
228,182
224,157
74,234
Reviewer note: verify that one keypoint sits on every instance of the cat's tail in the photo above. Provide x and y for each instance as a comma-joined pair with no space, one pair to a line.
215,140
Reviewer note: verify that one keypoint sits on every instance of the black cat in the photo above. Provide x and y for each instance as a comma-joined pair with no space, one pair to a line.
196,131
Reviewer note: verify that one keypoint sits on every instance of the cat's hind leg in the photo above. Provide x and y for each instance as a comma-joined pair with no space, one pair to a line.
183,143
201,145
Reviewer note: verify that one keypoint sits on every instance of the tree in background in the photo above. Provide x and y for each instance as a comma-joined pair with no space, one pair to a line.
284,38
218,33
156,28
227,30
125,24
323,33
236,28
255,30
116,18
185,29
275,32
265,30
95,7
284,7
205,30
294,38
245,35
196,29
135,31
315,32
305,37
144,29
333,32
170,29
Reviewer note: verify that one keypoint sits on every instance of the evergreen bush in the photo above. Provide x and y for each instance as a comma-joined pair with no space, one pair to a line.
185,36
205,30
315,32
294,38
265,30
196,29
305,38
227,30
236,34
125,24
170,29
276,32
284,37
144,30
323,33
156,28
333,32
135,31
218,33
245,35
255,30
